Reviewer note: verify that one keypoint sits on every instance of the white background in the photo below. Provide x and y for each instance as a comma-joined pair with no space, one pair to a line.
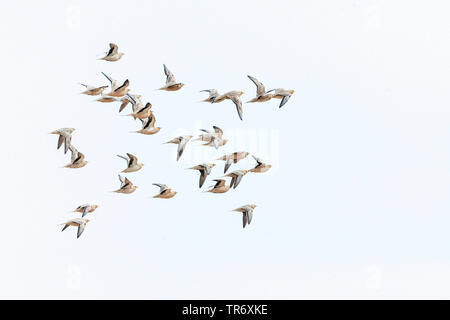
355,206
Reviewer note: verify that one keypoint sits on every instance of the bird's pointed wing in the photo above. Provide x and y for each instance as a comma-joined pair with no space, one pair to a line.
284,100
162,187
112,49
67,141
244,219
181,146
202,177
218,130
133,159
81,227
65,227
74,153
258,160
108,77
125,84
85,211
237,101
237,180
60,140
170,78
249,216
227,164
219,183
260,90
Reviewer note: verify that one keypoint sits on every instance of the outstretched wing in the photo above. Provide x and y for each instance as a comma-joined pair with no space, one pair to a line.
260,90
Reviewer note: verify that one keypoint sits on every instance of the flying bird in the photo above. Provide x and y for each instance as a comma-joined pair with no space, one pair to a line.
234,96
171,83
213,94
125,186
247,213
260,166
92,91
84,209
77,222
142,113
212,138
119,91
134,99
77,159
113,53
205,170
164,191
181,141
148,125
261,95
282,94
132,163
219,187
234,157
65,135
236,177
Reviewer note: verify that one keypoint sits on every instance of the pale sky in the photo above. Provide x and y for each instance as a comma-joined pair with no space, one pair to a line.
357,202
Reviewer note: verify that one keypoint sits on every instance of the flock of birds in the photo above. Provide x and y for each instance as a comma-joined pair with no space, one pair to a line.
119,92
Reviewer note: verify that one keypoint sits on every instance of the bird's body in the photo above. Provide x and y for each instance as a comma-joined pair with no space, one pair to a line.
205,170
119,91
181,141
236,177
282,94
213,94
148,125
77,222
126,186
92,91
84,209
234,157
76,160
171,82
219,187
65,135
164,191
106,98
247,213
132,163
113,54
261,94
213,138
234,96
142,113
260,166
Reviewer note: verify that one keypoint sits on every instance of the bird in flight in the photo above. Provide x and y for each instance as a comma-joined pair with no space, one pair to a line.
247,213
181,141
212,138
282,94
219,187
234,157
164,191
92,91
84,209
77,222
65,135
171,82
113,54
236,177
132,163
260,166
76,160
213,94
142,113
205,170
148,125
261,94
234,96
125,186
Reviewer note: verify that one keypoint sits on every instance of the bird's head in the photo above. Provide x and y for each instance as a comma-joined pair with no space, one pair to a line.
86,220
291,92
253,206
121,54
241,93
95,206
